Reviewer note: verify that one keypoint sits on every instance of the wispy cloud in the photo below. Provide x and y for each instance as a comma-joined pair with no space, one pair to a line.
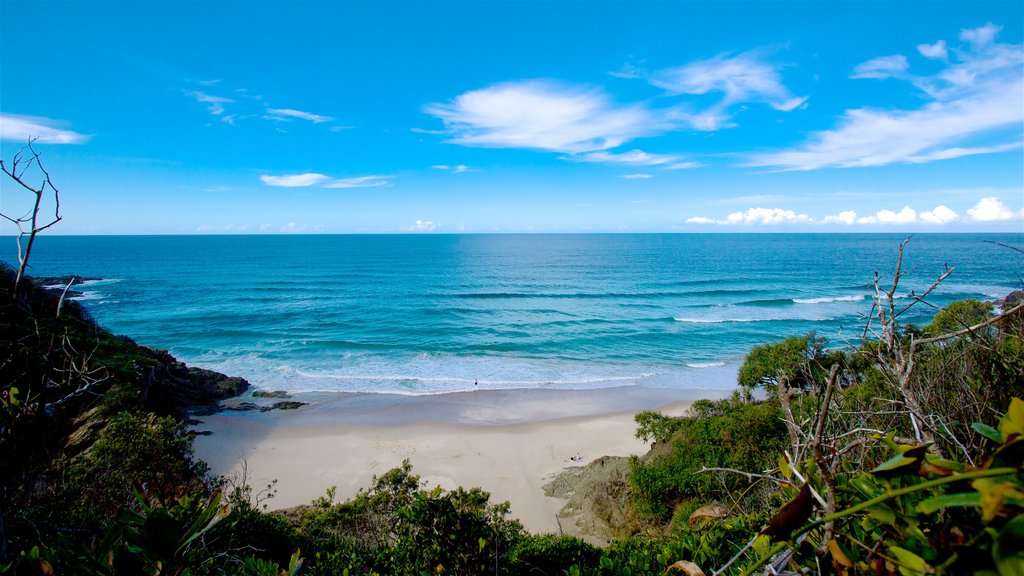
294,180
308,179
19,128
638,176
633,157
372,181
289,114
216,103
421,226
743,78
457,169
979,95
544,115
882,67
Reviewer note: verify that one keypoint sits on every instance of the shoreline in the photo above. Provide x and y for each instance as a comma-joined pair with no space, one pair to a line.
507,442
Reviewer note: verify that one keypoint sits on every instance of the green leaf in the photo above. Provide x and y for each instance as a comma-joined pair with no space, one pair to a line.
784,467
1008,548
896,464
882,513
987,431
910,563
606,562
943,501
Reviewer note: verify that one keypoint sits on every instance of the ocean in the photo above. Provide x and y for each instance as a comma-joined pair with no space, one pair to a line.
424,314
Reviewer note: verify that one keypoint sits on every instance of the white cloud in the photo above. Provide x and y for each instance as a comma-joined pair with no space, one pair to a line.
18,128
638,176
882,67
847,217
767,216
990,209
683,165
981,37
544,115
294,180
216,103
904,216
745,77
941,214
981,95
265,227
287,114
756,216
372,181
457,169
935,51
421,226
295,228
702,220
633,157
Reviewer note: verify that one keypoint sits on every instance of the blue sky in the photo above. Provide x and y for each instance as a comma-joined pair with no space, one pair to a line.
338,117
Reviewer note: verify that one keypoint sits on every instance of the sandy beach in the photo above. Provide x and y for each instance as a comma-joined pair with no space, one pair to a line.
508,442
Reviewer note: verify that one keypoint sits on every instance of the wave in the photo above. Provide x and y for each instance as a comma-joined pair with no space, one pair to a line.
84,296
828,299
749,320
726,320
595,295
705,364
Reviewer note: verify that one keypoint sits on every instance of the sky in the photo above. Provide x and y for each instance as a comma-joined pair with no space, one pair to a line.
477,117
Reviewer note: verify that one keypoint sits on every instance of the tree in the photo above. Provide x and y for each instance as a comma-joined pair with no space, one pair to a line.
29,224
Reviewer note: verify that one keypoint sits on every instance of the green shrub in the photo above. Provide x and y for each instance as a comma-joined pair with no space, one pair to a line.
134,449
726,434
551,554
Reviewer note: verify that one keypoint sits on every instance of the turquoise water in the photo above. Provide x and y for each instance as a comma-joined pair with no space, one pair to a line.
425,314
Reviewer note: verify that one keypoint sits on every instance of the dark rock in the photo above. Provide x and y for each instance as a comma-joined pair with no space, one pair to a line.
247,407
288,405
270,394
62,280
169,385
1012,299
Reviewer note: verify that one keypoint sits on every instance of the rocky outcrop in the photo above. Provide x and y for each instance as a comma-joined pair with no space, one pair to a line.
170,383
597,507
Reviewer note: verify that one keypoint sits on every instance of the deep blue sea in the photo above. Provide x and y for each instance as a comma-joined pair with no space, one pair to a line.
433,313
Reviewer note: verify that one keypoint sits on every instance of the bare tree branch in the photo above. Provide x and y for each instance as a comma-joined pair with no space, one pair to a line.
29,224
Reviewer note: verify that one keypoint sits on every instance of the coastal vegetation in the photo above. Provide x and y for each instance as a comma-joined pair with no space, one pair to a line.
901,454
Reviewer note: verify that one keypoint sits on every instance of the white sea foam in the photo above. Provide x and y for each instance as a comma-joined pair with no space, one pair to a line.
442,373
87,296
827,299
719,320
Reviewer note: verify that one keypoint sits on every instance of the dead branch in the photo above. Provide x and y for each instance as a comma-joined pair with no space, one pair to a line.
29,223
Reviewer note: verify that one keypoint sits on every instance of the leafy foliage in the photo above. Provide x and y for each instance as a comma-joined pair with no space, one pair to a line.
725,434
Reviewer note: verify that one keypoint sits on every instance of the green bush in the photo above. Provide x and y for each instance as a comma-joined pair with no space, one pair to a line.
726,434
551,554
134,449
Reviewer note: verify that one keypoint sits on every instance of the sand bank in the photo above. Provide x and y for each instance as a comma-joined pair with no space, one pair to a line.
508,442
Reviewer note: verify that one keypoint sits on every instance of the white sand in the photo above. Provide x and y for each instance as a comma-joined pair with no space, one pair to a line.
318,446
